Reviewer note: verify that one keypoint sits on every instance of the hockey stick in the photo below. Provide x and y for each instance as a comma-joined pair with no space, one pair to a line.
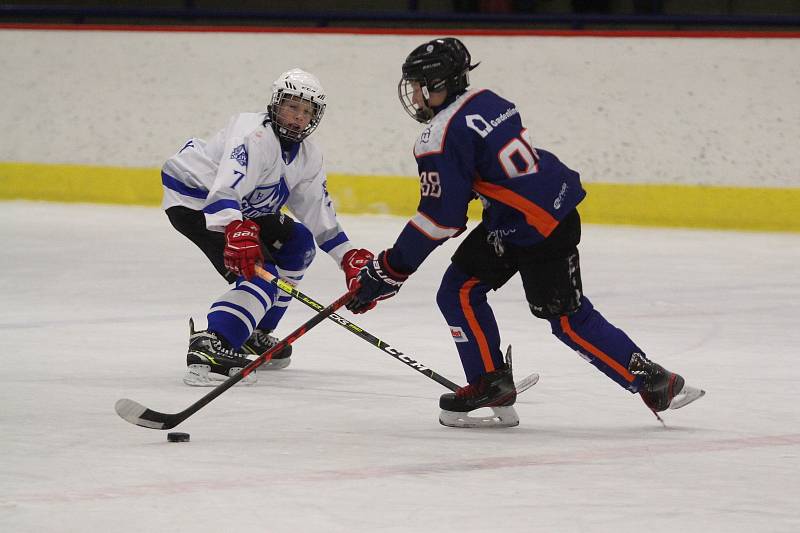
137,414
288,288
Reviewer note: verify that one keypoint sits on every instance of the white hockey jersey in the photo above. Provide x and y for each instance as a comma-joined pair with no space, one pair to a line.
243,173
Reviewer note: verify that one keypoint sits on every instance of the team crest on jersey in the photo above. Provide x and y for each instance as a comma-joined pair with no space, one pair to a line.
240,155
426,135
458,334
266,199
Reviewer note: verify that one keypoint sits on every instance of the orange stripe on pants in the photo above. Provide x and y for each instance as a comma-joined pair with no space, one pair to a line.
594,350
472,321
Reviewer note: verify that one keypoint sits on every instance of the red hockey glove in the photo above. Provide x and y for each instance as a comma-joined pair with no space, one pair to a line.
352,263
377,281
242,248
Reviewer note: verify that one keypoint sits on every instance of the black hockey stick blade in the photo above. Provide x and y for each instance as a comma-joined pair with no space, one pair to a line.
139,415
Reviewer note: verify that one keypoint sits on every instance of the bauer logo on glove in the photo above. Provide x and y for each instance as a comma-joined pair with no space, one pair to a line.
377,281
242,248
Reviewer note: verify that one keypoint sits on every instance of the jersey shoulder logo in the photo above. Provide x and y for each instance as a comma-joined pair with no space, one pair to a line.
484,127
431,141
478,123
240,155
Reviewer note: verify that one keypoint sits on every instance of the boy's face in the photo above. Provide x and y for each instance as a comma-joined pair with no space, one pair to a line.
295,113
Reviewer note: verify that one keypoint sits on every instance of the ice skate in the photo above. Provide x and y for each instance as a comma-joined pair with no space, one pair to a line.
261,341
495,390
662,389
211,360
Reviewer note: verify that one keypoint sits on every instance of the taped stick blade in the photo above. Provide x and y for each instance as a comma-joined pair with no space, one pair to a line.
139,415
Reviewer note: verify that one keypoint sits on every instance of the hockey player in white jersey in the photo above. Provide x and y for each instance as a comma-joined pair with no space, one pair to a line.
226,195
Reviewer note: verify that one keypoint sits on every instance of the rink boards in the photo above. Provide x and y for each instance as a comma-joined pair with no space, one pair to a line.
669,205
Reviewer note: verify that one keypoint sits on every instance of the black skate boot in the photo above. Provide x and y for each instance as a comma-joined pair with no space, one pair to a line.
211,359
662,389
495,390
261,341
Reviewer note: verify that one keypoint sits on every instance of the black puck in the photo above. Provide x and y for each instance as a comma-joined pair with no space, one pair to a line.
178,437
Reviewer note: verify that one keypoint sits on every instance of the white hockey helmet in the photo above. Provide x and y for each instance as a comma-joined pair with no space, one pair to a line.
296,84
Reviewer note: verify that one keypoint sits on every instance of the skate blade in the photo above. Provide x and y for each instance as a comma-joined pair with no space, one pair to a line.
275,364
526,383
686,396
201,376
502,417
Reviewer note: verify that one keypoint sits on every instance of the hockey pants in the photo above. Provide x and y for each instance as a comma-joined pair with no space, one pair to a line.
551,279
288,248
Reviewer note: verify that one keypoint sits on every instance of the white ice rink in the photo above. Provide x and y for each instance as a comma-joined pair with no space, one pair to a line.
95,304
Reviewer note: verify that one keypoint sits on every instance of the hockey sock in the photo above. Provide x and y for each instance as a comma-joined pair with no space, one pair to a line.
276,312
462,301
237,312
292,259
599,342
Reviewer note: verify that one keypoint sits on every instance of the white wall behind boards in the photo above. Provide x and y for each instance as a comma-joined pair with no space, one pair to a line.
667,110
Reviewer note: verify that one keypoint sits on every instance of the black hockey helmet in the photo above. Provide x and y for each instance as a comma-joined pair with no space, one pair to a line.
440,64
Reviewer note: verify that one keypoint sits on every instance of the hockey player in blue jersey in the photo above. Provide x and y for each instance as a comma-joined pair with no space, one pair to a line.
226,196
475,143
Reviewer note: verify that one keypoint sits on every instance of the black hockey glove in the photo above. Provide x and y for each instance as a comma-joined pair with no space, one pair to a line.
377,281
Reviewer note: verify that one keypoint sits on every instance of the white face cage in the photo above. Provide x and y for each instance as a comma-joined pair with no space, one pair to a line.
291,132
296,86
405,91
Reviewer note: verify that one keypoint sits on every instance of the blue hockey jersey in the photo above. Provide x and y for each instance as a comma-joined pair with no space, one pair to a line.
478,145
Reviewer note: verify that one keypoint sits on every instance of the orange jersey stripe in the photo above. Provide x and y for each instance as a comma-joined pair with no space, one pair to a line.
594,350
534,215
480,338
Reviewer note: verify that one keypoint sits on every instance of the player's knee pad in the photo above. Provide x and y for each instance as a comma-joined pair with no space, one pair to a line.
578,318
447,297
464,306
261,289
455,287
554,288
298,251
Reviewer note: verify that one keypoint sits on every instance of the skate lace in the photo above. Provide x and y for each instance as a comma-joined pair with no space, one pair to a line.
642,367
264,338
221,349
471,390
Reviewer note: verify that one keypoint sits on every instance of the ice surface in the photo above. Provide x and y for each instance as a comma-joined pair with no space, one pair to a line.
96,301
